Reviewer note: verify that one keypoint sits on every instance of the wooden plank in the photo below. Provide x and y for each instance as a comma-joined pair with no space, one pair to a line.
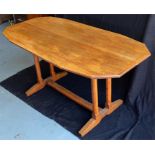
78,48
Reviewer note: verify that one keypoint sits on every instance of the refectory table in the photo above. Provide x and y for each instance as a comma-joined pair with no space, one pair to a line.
81,49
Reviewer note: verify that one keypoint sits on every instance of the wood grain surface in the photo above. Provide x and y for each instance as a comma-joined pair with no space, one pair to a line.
78,48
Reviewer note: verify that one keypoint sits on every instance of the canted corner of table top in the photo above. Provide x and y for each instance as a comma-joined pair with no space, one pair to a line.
78,48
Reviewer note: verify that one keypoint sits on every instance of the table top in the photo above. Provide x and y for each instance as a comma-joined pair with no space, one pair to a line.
78,48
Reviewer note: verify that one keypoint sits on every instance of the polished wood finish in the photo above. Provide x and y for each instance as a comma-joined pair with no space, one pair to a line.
93,122
98,113
38,70
52,71
69,45
81,49
95,97
42,83
108,92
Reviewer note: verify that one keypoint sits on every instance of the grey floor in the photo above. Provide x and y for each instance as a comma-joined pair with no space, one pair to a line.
17,119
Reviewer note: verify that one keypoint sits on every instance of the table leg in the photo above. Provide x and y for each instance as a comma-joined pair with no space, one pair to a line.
52,71
95,114
111,106
56,76
41,83
108,93
98,114
38,69
95,97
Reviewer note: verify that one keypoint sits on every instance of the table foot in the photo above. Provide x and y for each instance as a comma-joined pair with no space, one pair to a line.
93,122
38,86
35,88
114,106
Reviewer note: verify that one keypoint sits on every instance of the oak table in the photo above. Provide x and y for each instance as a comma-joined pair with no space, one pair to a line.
81,49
